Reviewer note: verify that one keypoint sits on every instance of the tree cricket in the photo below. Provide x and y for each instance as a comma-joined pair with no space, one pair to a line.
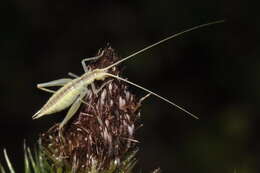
72,91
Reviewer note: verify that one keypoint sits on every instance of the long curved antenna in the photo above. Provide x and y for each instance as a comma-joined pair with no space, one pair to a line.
166,100
164,40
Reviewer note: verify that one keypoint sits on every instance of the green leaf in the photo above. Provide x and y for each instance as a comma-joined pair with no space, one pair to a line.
8,162
2,170
35,167
26,160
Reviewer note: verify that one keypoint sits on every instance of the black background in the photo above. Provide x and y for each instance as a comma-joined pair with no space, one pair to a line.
213,72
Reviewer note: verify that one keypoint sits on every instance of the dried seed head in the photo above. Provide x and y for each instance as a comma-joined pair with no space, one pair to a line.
102,131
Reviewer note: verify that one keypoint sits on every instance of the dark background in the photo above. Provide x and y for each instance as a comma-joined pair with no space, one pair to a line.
213,72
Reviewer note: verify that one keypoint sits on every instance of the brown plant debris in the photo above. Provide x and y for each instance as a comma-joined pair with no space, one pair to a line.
101,133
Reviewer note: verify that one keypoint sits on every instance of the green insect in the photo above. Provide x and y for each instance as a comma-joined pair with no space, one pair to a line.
73,90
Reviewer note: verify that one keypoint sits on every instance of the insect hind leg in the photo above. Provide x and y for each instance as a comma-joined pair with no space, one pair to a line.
47,90
58,82
73,109
73,75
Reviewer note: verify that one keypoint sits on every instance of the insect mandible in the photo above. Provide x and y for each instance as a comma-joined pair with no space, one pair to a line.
73,90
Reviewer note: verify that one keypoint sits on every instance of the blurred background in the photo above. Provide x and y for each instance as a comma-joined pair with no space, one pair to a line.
213,72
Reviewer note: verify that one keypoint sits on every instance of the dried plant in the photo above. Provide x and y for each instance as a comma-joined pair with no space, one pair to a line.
99,138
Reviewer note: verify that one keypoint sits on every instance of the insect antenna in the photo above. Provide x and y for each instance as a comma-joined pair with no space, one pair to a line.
162,41
157,95
149,47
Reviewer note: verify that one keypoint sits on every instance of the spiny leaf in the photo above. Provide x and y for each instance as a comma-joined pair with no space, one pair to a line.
2,170
8,162
158,170
26,160
35,167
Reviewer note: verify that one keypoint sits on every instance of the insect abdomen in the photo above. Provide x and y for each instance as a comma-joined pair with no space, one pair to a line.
60,100
64,101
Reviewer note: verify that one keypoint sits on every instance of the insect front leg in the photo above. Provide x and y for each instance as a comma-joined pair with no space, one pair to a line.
58,82
96,91
83,62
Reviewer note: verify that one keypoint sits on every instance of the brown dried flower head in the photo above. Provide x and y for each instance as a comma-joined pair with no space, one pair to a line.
101,133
